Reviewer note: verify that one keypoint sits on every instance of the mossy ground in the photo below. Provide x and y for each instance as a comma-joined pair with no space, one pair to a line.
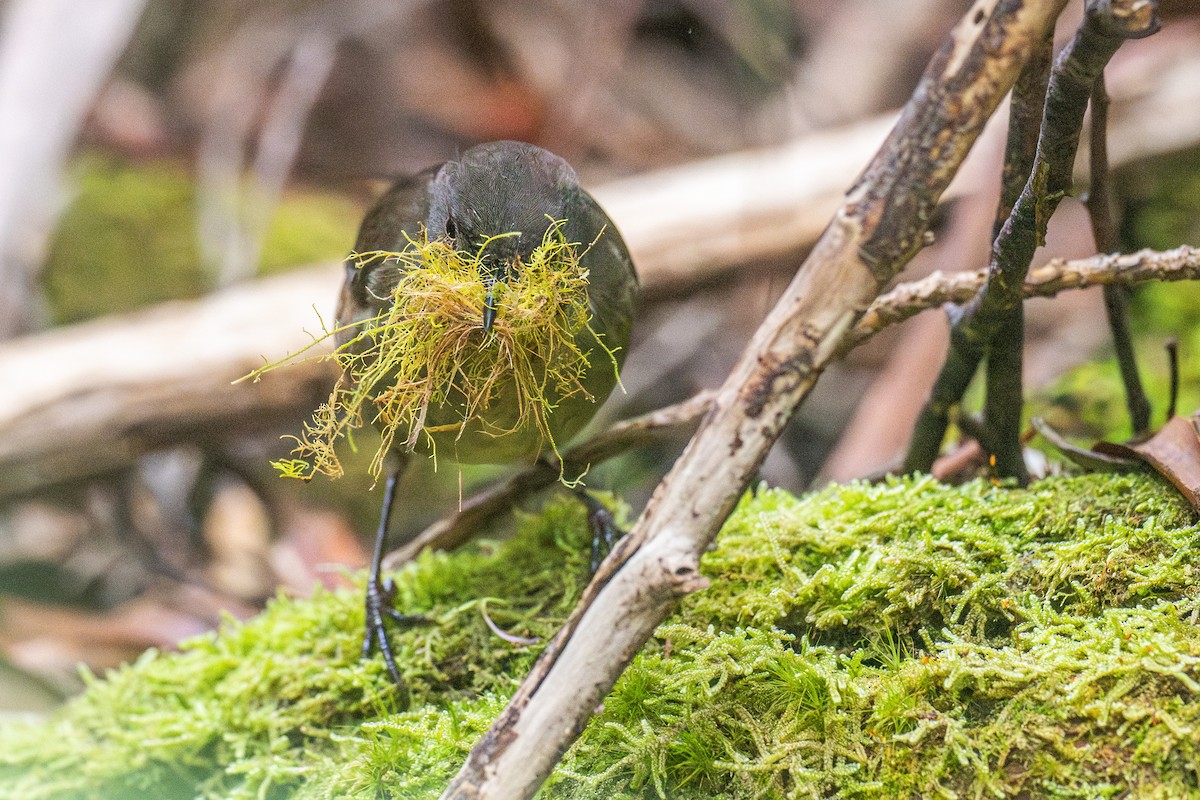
904,639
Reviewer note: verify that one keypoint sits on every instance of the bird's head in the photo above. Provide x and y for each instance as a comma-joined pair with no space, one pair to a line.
498,200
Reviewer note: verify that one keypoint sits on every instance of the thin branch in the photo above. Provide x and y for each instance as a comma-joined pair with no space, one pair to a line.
1105,26
1172,347
1024,124
880,226
1099,195
1005,359
1104,230
451,531
1057,275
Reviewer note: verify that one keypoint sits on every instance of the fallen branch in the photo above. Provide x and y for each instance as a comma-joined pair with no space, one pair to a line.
87,399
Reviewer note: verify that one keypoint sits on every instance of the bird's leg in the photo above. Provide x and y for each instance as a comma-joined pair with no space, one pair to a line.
605,531
380,593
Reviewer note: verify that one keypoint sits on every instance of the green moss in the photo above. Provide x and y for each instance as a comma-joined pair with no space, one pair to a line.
904,639
129,239
1159,201
1160,205
1088,402
308,226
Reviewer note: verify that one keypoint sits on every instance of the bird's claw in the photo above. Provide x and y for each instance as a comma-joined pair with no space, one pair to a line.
605,530
379,597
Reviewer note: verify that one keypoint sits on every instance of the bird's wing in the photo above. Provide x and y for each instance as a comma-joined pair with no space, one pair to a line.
401,210
612,280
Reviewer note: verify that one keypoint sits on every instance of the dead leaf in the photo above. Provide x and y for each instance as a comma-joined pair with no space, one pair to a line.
1174,452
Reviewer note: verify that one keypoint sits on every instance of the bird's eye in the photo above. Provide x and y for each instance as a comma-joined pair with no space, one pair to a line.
451,228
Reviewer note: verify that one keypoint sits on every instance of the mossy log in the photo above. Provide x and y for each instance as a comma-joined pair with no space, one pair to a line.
904,639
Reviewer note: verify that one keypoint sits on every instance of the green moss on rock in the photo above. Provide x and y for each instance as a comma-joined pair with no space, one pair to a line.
904,639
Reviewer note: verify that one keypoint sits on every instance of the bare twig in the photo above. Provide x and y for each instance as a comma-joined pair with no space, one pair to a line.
1099,195
1106,25
1024,123
908,299
879,227
1172,347
1005,360
449,532
1088,459
1104,230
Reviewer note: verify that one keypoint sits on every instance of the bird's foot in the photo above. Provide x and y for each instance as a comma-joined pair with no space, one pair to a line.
605,530
378,611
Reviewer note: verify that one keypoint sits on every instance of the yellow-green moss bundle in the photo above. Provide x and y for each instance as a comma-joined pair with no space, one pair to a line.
427,350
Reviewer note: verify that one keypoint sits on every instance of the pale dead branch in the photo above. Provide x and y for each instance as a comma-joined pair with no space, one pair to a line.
86,399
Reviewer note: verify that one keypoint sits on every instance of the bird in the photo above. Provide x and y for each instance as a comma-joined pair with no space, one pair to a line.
498,199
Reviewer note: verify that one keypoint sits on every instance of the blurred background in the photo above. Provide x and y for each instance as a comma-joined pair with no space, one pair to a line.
178,181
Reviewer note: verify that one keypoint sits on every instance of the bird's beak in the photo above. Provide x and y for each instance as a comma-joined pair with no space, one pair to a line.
493,271
497,266
489,306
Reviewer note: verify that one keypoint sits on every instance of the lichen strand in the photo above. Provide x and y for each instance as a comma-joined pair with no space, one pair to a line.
424,372
896,640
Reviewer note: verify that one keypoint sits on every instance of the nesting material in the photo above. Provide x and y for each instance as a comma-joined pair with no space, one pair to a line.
427,350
